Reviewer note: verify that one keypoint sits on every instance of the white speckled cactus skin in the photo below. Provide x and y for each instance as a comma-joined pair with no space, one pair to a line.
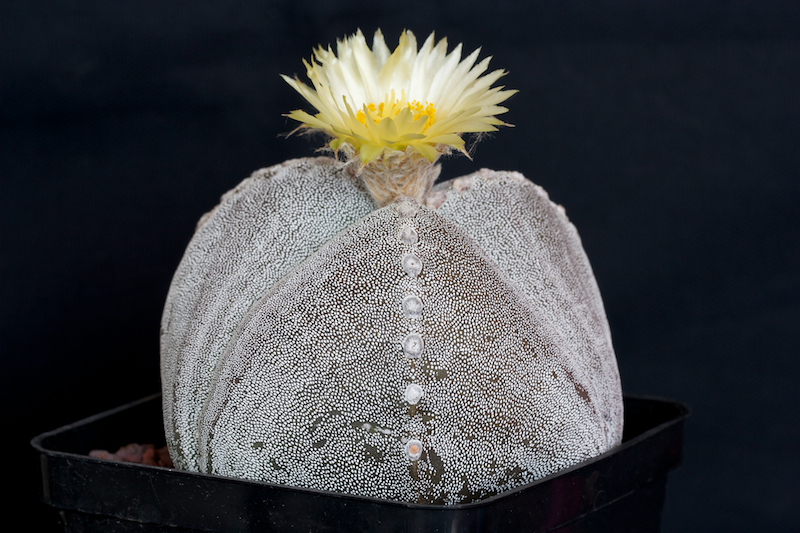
436,353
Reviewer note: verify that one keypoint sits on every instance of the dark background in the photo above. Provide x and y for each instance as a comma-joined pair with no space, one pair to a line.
668,130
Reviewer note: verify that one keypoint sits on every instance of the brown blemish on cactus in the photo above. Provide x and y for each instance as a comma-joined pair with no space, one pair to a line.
413,471
436,466
513,473
372,452
580,389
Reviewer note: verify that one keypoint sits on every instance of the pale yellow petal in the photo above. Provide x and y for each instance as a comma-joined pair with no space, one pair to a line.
379,49
427,151
450,139
457,82
370,152
443,74
387,132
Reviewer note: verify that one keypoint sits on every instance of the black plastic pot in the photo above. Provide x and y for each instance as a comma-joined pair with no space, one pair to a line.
620,491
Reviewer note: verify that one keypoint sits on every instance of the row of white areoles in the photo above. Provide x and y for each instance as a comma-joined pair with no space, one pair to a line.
413,344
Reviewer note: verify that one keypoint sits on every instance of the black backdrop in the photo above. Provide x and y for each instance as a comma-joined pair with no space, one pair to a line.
668,130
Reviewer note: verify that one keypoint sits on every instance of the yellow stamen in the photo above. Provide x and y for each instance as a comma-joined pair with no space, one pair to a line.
418,109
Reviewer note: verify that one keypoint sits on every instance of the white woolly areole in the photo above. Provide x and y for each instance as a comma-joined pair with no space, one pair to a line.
315,388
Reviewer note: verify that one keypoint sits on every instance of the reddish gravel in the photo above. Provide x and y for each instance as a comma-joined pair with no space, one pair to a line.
145,454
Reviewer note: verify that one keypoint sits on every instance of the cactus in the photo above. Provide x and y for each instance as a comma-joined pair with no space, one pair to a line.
345,326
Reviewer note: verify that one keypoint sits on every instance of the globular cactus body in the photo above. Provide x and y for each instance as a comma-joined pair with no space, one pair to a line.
439,352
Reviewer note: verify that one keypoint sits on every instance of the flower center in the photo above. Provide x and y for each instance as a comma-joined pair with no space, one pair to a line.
382,111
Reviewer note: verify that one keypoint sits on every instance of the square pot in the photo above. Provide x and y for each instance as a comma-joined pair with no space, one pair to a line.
619,491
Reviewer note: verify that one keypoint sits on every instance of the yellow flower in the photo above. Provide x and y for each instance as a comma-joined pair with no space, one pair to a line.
373,102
